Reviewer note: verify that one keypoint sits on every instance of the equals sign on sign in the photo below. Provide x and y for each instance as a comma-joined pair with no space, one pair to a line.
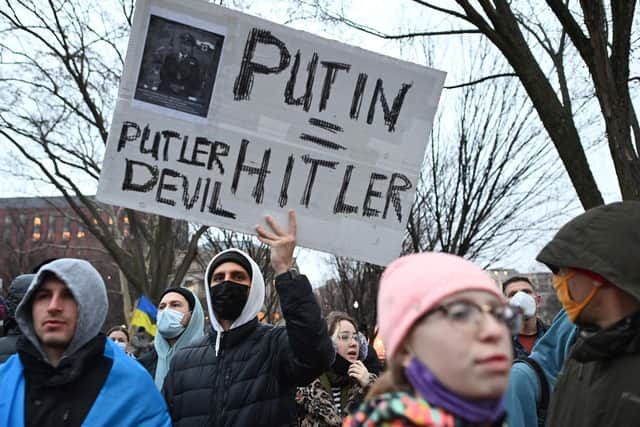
327,126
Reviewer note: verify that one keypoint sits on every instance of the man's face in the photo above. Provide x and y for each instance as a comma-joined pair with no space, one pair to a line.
232,272
185,47
177,302
55,314
521,286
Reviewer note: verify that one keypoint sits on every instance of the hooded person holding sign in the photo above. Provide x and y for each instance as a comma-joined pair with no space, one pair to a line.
245,372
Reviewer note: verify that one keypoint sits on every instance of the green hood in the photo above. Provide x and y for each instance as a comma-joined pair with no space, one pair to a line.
603,240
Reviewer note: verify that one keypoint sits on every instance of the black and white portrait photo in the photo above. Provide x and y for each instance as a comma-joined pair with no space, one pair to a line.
179,66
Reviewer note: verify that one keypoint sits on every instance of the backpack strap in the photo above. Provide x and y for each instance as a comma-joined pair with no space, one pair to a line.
544,386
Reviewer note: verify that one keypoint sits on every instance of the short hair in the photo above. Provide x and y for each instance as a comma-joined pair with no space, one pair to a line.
516,279
120,328
336,317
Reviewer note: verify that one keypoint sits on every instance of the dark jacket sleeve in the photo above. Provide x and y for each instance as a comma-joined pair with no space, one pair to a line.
149,360
306,350
167,390
8,347
372,362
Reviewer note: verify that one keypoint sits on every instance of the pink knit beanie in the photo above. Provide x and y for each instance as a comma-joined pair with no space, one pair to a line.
412,285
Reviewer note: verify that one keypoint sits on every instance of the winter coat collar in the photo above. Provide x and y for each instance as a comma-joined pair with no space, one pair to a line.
69,369
614,341
234,336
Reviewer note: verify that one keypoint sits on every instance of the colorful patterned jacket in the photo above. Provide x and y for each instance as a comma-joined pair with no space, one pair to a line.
400,409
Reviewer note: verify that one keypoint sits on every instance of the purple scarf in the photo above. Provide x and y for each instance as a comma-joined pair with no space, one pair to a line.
432,390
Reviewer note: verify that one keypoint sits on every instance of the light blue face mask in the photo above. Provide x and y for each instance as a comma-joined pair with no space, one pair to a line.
169,323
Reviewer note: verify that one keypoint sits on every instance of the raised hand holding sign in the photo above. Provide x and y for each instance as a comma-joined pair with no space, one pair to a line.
282,242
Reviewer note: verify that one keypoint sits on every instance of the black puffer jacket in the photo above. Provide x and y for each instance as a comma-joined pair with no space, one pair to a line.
252,381
149,360
8,346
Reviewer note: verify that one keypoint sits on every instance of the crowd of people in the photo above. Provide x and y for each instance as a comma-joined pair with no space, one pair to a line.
460,350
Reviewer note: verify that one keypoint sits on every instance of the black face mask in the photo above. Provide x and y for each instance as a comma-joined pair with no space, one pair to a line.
228,299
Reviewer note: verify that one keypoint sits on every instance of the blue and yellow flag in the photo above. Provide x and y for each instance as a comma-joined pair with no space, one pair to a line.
145,315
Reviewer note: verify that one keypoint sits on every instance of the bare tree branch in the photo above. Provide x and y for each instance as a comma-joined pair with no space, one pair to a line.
62,61
480,80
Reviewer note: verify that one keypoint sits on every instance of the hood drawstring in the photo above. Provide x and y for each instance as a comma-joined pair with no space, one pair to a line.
218,339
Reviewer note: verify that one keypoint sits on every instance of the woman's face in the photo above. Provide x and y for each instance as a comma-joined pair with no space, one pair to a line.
119,336
471,358
346,340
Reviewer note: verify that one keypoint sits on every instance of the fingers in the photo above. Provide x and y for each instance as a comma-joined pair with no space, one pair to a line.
293,225
356,368
264,234
275,226
359,372
365,371
353,373
265,241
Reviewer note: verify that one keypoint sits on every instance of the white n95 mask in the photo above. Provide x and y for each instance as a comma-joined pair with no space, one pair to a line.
525,302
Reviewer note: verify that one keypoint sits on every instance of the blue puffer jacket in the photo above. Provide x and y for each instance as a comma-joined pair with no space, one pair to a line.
524,389
127,398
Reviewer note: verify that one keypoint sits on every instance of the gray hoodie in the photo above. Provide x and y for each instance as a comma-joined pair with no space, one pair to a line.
89,291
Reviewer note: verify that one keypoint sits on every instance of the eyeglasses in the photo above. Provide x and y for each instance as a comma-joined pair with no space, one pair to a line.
347,337
469,314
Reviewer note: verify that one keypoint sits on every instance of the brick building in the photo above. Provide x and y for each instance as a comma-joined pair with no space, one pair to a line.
35,229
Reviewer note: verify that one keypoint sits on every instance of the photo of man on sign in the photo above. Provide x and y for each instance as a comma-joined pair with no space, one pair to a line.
180,71
179,66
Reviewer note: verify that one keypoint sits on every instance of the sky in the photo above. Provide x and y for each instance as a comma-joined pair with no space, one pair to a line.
447,55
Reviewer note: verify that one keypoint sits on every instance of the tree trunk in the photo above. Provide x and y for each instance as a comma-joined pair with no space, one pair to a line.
126,298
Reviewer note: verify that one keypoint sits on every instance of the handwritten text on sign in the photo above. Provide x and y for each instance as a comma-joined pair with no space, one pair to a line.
223,118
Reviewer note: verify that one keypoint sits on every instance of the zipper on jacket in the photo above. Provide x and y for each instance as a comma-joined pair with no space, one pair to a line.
580,369
215,408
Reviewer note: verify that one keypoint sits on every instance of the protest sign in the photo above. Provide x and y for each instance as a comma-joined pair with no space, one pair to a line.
223,118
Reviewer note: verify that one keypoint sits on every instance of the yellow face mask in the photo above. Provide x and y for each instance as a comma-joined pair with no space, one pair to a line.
573,308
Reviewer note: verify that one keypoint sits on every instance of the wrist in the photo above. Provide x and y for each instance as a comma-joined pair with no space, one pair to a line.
280,269
282,265
287,274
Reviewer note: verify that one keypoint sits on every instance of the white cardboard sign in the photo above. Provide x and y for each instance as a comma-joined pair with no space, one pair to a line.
223,118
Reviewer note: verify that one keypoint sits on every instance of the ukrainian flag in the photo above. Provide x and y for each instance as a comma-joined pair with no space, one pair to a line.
145,315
